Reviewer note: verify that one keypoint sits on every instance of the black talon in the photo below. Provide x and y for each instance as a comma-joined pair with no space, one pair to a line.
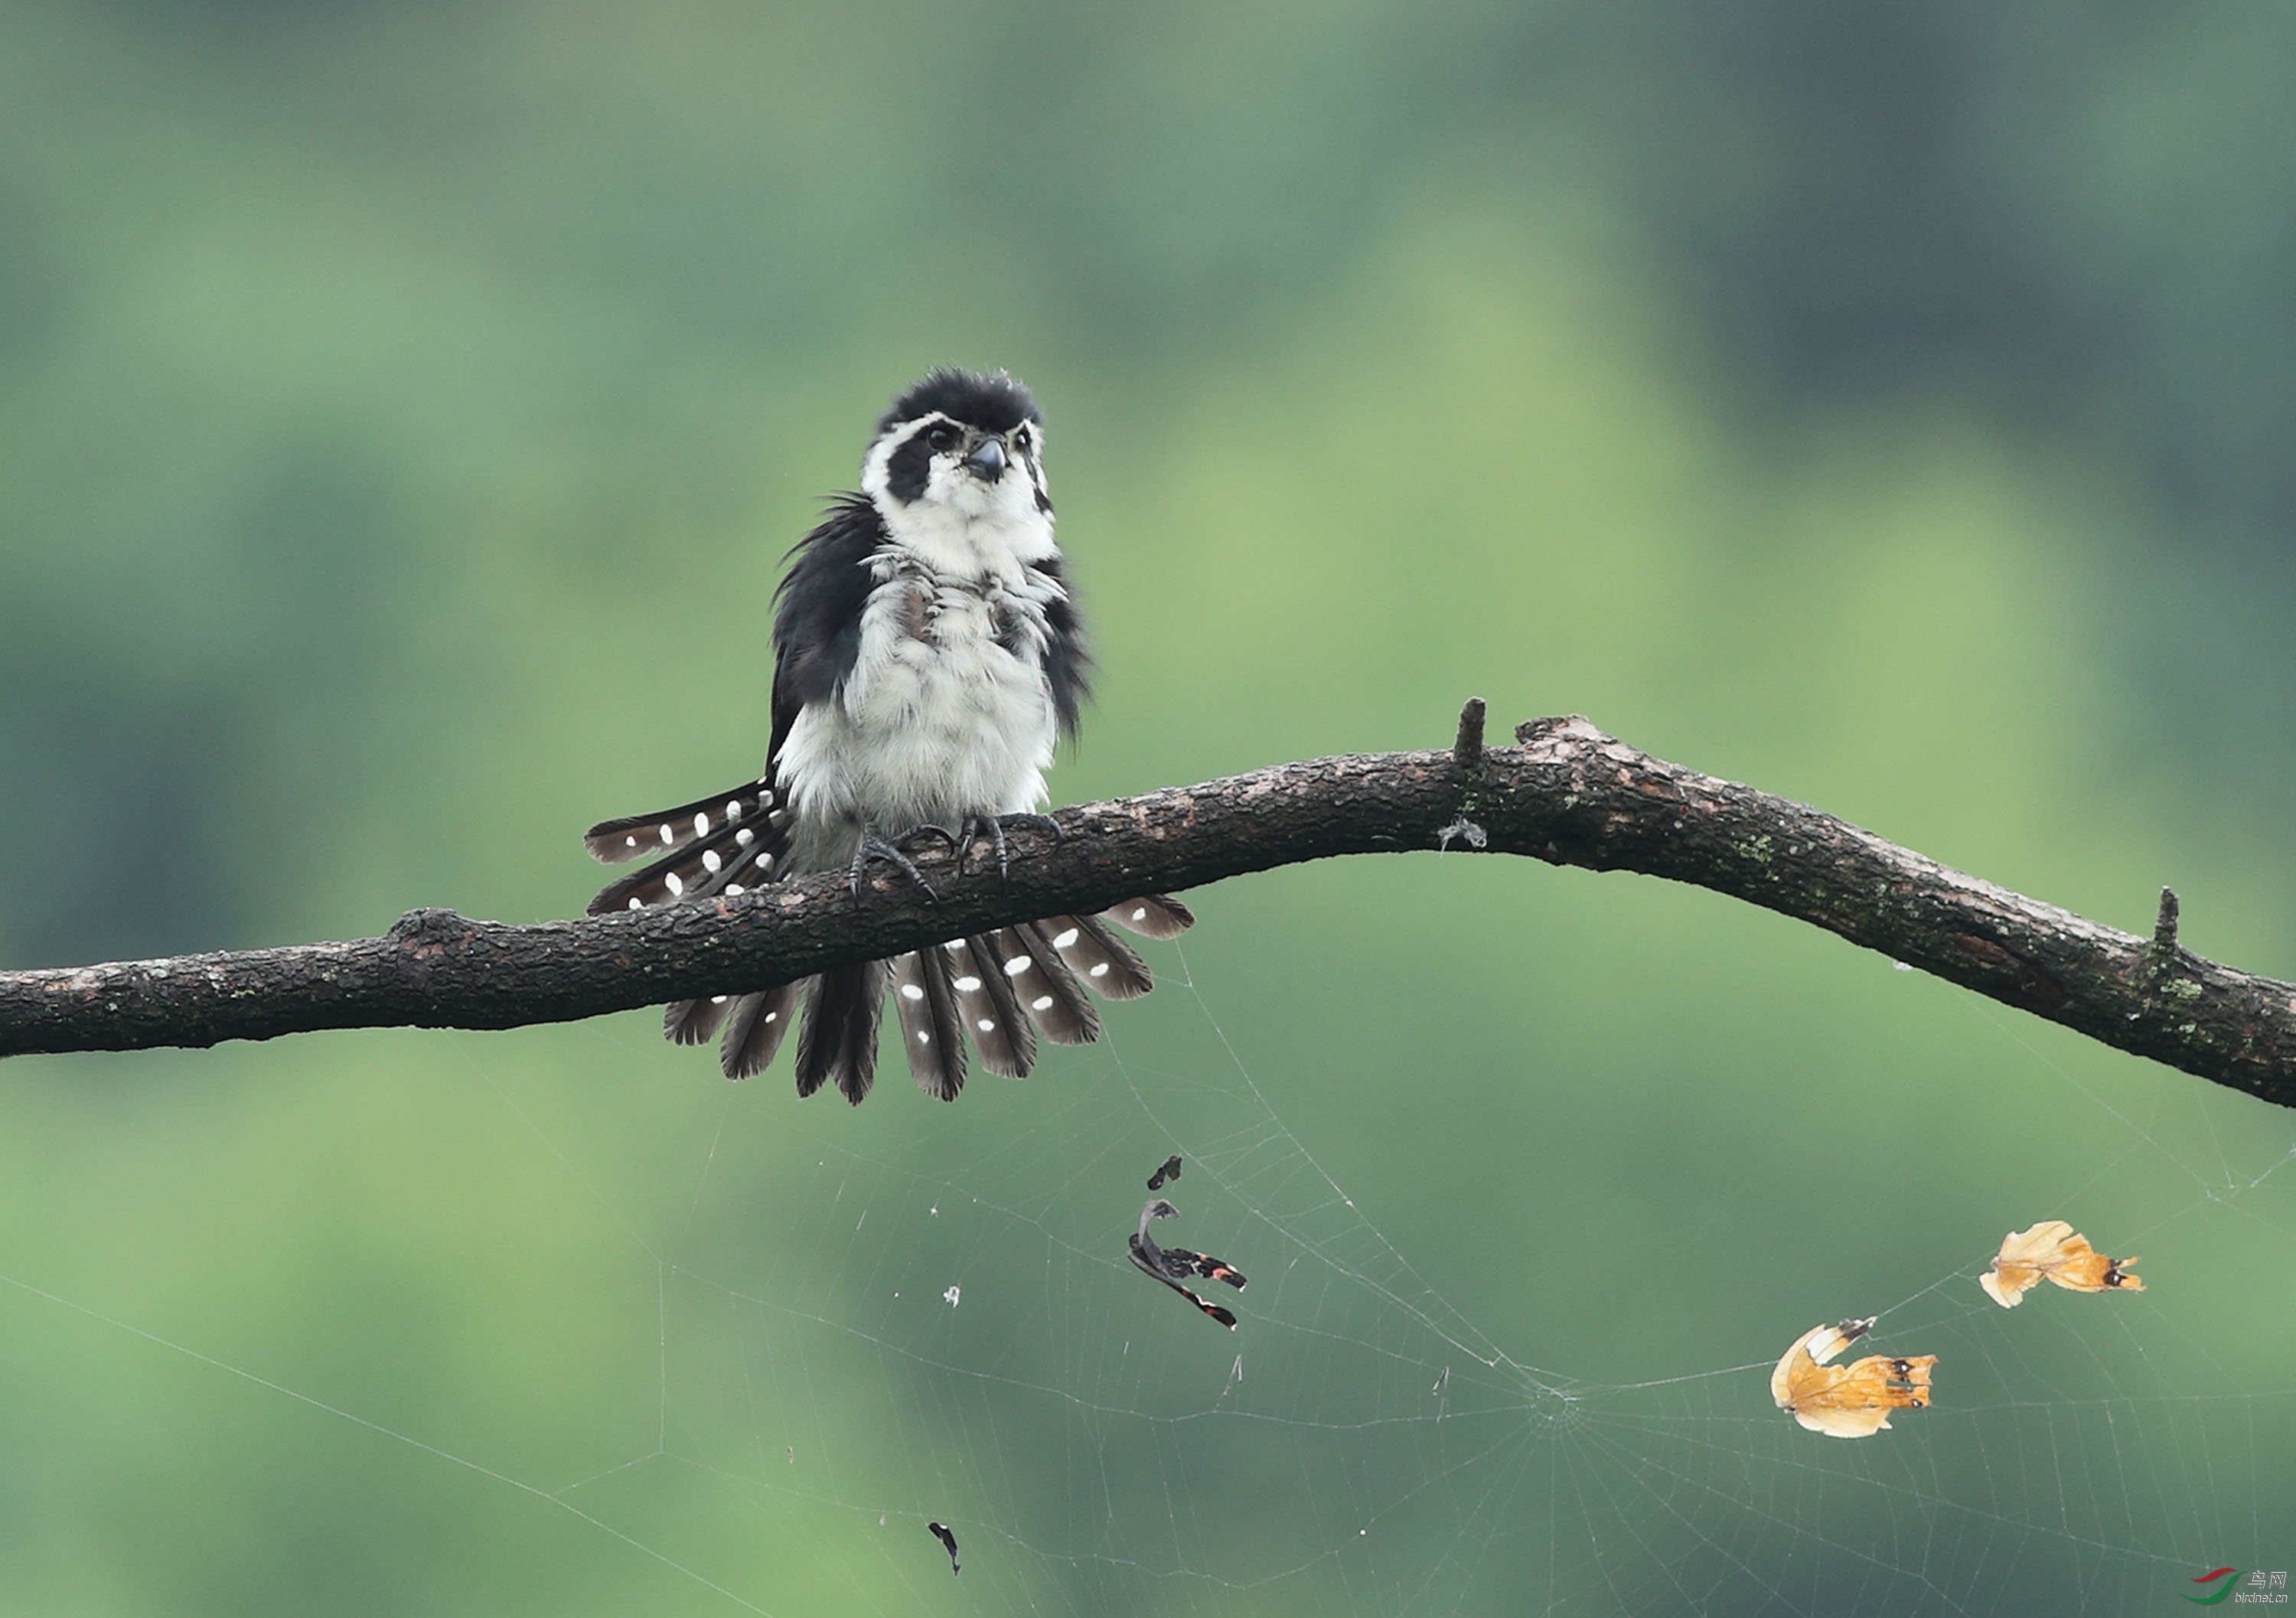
1043,823
974,825
992,826
877,848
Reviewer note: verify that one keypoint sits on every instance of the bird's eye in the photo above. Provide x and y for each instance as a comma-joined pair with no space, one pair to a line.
943,437
1021,439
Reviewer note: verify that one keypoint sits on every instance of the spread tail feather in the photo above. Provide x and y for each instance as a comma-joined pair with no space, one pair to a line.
692,1022
1104,962
754,1032
839,1039
998,989
999,1028
1156,916
930,1031
728,843
665,831
1042,981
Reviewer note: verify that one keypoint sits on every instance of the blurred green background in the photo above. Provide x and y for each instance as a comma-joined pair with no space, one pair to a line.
403,411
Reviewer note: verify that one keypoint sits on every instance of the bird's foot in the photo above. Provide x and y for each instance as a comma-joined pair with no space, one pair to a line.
876,850
992,828
916,834
1046,824
978,827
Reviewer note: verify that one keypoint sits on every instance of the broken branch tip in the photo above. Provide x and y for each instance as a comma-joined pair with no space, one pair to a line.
1467,751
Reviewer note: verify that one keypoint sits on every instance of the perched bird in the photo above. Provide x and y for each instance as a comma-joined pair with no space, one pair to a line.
928,654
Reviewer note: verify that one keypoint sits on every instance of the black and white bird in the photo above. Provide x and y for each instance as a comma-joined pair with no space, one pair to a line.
928,656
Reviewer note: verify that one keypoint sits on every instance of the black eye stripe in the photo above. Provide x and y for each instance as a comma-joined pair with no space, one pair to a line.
909,468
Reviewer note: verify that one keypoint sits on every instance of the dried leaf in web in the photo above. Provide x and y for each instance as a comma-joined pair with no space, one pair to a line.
1847,1401
2053,1251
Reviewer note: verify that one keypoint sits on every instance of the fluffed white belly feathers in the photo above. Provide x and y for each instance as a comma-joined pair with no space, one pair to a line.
946,713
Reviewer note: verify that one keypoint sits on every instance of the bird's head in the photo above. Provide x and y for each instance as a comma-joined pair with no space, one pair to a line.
971,443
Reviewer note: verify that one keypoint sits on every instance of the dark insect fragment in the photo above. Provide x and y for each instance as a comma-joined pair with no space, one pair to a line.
1180,1262
1174,1267
947,1538
1166,1175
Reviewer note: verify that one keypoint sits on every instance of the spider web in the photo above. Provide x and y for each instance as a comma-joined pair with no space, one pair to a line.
942,1326
865,1321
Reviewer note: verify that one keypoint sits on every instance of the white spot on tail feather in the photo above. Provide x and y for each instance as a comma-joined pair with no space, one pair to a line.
1042,1002
1066,939
910,991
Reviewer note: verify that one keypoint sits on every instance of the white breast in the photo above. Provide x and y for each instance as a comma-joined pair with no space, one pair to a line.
947,712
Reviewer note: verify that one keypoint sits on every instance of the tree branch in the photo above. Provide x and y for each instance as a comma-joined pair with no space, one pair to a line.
1567,795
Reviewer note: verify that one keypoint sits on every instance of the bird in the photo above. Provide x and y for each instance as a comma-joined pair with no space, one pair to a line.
928,655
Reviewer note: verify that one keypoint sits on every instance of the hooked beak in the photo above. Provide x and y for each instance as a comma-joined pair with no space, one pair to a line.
987,461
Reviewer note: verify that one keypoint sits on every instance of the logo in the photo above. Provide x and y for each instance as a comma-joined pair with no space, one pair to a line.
2256,1589
2231,1577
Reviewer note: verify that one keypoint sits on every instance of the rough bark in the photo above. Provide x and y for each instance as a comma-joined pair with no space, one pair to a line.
1566,793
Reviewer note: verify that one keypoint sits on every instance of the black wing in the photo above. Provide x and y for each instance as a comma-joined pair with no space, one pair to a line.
1068,659
817,620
